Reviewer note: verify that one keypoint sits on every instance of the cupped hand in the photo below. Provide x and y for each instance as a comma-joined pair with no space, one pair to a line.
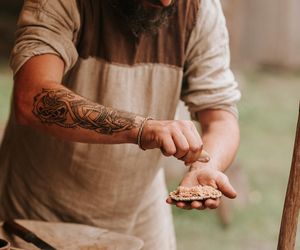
174,138
205,176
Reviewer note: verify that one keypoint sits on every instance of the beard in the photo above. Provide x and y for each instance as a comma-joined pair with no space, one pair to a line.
142,20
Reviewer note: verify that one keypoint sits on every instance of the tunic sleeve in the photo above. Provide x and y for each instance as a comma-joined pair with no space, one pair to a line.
208,81
46,27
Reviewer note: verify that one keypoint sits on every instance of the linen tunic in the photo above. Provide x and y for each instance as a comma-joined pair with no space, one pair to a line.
118,187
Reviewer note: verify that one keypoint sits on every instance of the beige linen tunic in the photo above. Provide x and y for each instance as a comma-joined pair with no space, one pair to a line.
118,187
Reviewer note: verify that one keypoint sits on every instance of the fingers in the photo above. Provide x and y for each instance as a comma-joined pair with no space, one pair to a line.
199,205
179,204
170,201
183,205
187,141
204,156
195,145
212,203
175,138
225,187
168,147
182,145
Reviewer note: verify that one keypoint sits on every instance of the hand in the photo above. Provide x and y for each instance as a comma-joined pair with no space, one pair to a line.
205,176
174,138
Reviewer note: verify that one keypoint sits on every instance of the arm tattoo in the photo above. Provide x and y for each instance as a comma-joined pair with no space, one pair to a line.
65,109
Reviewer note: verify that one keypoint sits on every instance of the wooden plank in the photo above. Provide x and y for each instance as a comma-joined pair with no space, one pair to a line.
289,221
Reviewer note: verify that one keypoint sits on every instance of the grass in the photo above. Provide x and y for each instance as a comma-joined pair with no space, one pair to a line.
268,116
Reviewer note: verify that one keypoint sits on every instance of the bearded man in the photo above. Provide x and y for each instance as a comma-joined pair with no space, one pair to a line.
88,75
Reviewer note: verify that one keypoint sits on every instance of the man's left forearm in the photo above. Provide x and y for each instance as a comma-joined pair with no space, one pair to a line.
220,135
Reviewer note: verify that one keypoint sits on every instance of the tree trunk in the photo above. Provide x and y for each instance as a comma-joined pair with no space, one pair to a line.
289,222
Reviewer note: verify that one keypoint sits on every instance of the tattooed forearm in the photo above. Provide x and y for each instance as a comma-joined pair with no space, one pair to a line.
65,109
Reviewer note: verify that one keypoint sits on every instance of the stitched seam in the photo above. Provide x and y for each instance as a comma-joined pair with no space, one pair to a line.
137,64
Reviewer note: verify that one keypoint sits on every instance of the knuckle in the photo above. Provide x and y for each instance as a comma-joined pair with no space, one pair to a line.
174,127
187,160
165,131
184,149
170,152
168,129
195,148
188,124
166,153
179,155
183,123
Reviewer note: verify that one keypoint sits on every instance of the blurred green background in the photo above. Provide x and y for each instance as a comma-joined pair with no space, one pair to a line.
268,117
265,59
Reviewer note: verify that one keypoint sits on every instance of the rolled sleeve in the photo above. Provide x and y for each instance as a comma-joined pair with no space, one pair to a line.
46,27
208,81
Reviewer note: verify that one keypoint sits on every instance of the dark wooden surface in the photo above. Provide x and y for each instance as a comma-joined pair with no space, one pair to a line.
289,221
68,236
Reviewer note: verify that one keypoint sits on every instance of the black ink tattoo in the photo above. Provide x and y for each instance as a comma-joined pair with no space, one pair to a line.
65,109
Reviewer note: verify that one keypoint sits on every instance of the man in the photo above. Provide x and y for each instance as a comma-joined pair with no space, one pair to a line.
88,75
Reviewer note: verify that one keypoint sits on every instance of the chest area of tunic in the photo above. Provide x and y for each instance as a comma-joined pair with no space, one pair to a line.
105,35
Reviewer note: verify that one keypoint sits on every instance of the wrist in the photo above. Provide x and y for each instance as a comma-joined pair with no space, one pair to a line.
202,165
197,166
140,132
133,133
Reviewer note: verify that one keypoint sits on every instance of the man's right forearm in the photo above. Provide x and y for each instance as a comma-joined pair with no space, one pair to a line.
63,113
41,101
65,109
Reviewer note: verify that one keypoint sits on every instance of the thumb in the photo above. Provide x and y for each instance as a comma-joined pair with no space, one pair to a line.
225,187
